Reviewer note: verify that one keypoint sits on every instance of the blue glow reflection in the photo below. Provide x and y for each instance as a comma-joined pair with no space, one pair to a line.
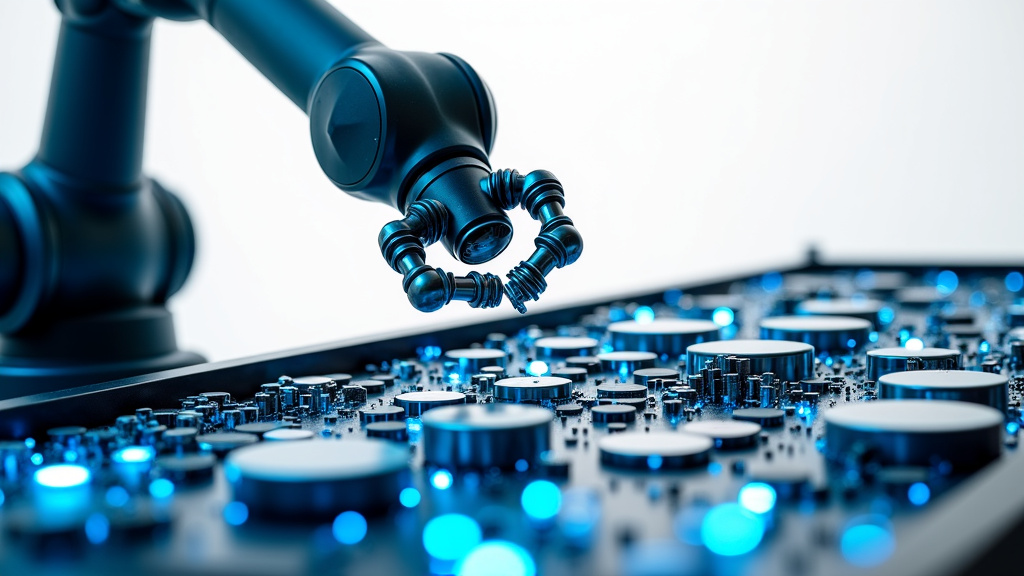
497,558
867,541
541,500
730,530
349,528
451,536
62,476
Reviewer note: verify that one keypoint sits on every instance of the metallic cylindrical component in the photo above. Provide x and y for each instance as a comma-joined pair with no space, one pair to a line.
888,360
485,435
732,390
265,402
768,396
249,414
662,335
966,386
232,418
289,397
533,389
792,361
826,333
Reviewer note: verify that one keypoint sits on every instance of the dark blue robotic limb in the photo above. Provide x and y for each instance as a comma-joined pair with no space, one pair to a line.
91,248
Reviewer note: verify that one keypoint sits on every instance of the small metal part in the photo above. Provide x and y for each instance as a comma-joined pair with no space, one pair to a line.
888,360
532,389
416,403
766,417
394,430
618,391
592,364
727,434
655,451
565,346
825,333
472,360
792,361
221,443
644,376
356,394
626,362
916,432
287,435
381,414
606,413
485,436
577,375
966,386
662,335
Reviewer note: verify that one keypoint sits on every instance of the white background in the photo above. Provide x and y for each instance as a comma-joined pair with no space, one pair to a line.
693,138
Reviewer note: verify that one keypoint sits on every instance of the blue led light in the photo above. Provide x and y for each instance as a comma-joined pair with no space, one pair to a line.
714,468
757,497
581,511
730,530
919,494
886,315
914,344
70,456
522,465
644,314
873,337
1012,428
413,425
37,459
541,500
409,497
867,543
1015,281
117,496
607,348
946,282
654,461
429,353
30,443
723,316
2,498
497,558
451,536
62,476
537,368
97,528
851,343
442,479
984,347
236,513
771,282
161,488
349,527
133,455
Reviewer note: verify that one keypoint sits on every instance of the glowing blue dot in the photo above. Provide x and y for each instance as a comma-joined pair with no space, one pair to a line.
730,530
37,459
116,496
62,476
537,368
522,465
914,344
409,497
873,337
723,316
161,488
643,314
654,461
541,500
70,456
497,558
1012,428
867,544
977,299
236,513
1015,281
2,498
757,497
30,443
454,378
886,315
97,528
829,361
349,528
715,468
851,343
946,282
442,479
413,425
984,347
451,536
919,494
904,334
771,282
133,455
429,353
607,348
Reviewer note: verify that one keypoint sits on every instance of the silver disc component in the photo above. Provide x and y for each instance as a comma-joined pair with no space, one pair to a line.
792,361
647,376
855,307
287,434
565,346
966,386
608,413
472,360
887,360
916,432
317,479
416,403
619,391
727,434
825,333
532,389
662,335
655,450
626,361
485,436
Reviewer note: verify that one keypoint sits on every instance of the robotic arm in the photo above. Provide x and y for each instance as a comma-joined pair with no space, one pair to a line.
90,248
